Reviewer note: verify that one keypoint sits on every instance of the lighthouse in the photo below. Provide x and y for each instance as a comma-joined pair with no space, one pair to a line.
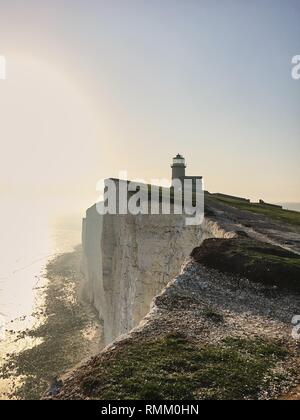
178,173
178,167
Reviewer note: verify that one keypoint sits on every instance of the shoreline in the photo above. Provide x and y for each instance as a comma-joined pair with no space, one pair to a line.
67,333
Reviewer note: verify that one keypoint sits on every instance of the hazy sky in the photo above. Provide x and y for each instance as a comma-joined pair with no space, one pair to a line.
98,86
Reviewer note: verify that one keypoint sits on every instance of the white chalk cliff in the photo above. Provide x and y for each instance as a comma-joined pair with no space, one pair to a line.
128,260
231,302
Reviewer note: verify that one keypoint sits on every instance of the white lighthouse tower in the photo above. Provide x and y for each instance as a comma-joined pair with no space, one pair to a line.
178,167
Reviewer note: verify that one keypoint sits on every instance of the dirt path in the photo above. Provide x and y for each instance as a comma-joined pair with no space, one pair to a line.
257,226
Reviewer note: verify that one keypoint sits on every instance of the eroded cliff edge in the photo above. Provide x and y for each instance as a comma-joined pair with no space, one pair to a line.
220,330
129,259
209,335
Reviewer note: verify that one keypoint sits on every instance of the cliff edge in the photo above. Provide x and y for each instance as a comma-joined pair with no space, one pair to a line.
221,329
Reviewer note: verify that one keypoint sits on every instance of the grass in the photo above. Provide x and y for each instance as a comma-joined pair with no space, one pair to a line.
258,261
257,249
173,367
264,252
213,315
277,214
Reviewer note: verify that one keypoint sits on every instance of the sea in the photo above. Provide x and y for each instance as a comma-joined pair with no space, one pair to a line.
291,206
30,236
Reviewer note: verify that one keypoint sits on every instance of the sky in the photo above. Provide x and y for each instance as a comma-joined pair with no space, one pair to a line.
94,87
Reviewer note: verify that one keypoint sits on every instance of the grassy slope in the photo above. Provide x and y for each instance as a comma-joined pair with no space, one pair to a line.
258,261
279,215
173,367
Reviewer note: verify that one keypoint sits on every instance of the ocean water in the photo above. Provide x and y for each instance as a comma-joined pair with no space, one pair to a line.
29,238
291,206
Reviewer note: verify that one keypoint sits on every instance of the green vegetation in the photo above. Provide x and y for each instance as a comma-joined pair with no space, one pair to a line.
277,214
173,367
213,315
264,252
257,261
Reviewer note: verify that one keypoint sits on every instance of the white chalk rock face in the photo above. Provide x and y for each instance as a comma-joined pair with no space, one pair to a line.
129,259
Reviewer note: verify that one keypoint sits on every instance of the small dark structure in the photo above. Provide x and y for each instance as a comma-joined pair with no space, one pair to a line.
276,206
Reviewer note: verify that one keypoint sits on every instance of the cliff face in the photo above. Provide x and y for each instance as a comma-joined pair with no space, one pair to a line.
221,329
130,259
